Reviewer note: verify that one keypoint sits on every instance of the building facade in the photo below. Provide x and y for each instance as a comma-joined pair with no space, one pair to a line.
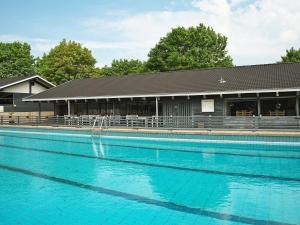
243,91
13,90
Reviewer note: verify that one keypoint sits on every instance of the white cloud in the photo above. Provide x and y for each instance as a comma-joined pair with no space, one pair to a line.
139,33
213,7
145,29
258,31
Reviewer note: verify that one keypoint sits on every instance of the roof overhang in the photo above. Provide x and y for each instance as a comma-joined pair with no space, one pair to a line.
27,79
27,99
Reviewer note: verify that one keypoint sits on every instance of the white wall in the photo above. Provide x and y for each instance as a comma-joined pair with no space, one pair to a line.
24,88
37,88
18,88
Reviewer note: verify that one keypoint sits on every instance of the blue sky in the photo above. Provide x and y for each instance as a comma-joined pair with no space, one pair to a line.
258,31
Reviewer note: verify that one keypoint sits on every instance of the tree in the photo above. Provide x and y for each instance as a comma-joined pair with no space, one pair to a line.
292,55
67,61
16,60
189,48
124,67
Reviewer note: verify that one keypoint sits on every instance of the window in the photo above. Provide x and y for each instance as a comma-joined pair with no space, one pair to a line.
93,108
278,107
241,107
6,98
208,105
80,109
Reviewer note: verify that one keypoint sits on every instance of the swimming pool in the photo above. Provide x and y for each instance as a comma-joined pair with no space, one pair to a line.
68,177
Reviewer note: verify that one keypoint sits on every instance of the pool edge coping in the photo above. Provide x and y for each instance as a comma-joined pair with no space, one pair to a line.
271,133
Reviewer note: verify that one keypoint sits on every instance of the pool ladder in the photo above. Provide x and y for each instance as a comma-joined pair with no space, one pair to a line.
100,121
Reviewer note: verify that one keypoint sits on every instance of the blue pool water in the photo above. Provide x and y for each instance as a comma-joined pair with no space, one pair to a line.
69,177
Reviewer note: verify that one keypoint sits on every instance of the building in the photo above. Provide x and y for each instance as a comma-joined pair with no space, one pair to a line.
13,90
265,90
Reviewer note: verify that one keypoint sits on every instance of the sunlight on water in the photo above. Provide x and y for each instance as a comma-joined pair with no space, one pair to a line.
56,176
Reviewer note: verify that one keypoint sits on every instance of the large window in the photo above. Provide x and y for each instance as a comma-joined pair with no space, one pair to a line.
278,107
103,109
141,108
80,109
61,109
6,99
93,108
241,108
120,108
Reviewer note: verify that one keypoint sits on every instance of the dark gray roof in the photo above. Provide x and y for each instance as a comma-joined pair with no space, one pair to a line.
240,78
5,82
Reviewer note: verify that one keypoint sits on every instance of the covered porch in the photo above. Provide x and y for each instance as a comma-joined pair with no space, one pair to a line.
232,105
214,111
283,104
111,107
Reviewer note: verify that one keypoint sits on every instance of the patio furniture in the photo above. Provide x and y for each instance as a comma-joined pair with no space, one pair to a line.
244,113
277,113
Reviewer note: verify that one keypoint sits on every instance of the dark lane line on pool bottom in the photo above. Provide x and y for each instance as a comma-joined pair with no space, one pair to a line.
145,200
166,149
257,176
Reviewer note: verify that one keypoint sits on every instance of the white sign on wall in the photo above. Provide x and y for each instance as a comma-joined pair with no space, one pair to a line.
1,108
208,105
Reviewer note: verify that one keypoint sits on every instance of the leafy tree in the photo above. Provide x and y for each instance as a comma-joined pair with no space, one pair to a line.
67,61
16,60
124,67
189,48
292,55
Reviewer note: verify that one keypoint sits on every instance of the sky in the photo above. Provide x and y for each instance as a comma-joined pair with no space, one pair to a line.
258,31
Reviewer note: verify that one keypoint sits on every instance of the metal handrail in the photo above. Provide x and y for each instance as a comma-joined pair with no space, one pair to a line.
100,124
95,121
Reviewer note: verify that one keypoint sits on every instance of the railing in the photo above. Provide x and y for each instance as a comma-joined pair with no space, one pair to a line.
170,122
98,120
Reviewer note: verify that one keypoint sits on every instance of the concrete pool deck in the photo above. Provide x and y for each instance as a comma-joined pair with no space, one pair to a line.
290,133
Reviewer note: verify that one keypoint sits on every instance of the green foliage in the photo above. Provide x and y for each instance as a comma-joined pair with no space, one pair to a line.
189,48
16,60
182,48
292,55
67,61
123,67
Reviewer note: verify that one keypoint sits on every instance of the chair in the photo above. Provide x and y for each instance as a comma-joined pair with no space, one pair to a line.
277,113
244,113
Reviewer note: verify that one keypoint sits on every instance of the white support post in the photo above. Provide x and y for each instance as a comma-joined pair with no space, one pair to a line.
69,108
156,111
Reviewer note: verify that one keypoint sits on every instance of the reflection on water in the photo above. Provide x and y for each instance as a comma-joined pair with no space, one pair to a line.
98,148
154,170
